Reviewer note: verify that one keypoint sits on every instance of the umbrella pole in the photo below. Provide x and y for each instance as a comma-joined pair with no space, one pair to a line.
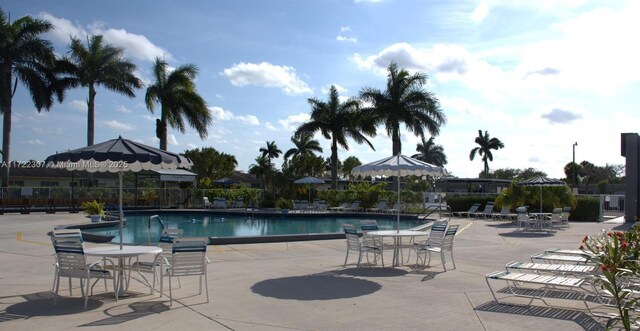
398,217
540,198
121,213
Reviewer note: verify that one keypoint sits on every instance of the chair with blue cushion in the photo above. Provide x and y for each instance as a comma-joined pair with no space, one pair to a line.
166,241
355,245
188,258
72,263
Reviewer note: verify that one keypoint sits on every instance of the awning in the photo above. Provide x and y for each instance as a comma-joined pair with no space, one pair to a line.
176,175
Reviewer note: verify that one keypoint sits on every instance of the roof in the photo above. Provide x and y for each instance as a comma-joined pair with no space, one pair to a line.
176,175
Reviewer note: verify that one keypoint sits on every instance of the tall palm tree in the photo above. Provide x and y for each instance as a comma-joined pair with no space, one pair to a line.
176,93
404,101
260,169
271,151
429,152
304,145
98,64
25,58
338,121
486,145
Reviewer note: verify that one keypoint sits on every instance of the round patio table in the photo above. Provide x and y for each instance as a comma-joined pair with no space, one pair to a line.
397,236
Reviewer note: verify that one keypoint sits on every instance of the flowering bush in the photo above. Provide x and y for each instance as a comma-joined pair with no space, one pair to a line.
616,253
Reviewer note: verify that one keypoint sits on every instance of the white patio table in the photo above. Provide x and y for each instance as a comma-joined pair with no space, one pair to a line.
397,236
114,251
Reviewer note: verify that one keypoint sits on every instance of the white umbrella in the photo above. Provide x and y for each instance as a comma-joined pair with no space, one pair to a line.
117,155
542,181
399,165
309,181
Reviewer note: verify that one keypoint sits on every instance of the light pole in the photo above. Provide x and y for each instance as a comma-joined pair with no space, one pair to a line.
573,165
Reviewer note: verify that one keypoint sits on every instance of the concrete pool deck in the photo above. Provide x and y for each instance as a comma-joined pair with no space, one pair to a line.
293,286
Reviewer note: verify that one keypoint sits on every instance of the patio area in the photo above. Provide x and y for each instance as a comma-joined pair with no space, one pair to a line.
293,286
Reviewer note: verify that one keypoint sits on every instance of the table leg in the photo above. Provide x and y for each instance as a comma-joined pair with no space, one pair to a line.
120,281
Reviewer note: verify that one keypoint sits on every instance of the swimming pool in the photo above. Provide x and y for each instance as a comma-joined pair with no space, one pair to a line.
198,224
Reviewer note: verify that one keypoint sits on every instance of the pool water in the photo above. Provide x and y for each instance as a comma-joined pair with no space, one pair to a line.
207,225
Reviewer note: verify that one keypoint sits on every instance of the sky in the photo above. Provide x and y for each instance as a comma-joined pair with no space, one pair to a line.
538,75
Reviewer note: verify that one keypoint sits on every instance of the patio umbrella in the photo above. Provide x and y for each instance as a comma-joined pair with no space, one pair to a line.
117,155
309,181
542,181
225,181
399,165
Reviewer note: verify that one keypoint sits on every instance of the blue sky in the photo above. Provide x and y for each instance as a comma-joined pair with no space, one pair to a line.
538,75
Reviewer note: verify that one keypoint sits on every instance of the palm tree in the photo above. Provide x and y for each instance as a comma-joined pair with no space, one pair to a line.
404,101
429,152
338,121
176,93
486,145
260,169
98,64
271,151
26,58
305,145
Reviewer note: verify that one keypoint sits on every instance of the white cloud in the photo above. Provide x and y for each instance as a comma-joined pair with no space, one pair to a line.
292,122
270,126
122,109
248,119
78,105
192,146
340,89
347,39
267,75
149,117
367,1
345,28
135,45
35,142
480,13
221,114
119,126
171,140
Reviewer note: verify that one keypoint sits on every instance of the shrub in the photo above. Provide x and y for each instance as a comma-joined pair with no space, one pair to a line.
283,203
587,209
93,207
464,202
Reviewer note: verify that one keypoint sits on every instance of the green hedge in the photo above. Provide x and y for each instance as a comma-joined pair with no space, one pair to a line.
460,203
587,210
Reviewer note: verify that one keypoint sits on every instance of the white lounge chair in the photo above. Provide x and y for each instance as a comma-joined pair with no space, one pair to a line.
380,206
467,213
206,203
487,212
342,207
559,269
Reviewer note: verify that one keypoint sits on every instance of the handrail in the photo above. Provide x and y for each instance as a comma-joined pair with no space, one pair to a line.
154,217
430,209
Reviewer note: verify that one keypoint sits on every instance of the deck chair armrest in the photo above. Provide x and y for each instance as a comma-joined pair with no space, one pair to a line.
208,260
103,260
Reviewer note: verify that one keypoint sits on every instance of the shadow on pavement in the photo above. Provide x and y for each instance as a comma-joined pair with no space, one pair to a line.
372,272
326,286
521,234
584,320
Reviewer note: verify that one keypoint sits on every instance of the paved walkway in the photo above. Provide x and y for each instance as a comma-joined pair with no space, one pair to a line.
291,286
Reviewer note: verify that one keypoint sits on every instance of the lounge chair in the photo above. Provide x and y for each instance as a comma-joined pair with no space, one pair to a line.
219,203
561,269
355,206
543,284
559,258
487,212
467,213
205,203
505,213
342,207
239,203
396,207
380,206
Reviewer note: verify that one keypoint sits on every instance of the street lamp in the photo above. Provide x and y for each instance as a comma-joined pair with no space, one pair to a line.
573,165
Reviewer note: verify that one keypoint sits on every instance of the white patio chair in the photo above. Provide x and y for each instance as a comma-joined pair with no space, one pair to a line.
72,263
436,237
206,203
188,258
446,245
556,218
354,245
154,267
564,219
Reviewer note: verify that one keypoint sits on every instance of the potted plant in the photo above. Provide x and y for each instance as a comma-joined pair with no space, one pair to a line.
94,209
284,205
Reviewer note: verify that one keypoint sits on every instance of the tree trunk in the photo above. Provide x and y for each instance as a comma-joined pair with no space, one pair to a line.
395,139
163,129
334,164
91,115
6,129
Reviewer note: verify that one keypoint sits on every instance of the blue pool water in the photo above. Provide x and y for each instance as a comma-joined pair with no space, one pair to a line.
209,225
